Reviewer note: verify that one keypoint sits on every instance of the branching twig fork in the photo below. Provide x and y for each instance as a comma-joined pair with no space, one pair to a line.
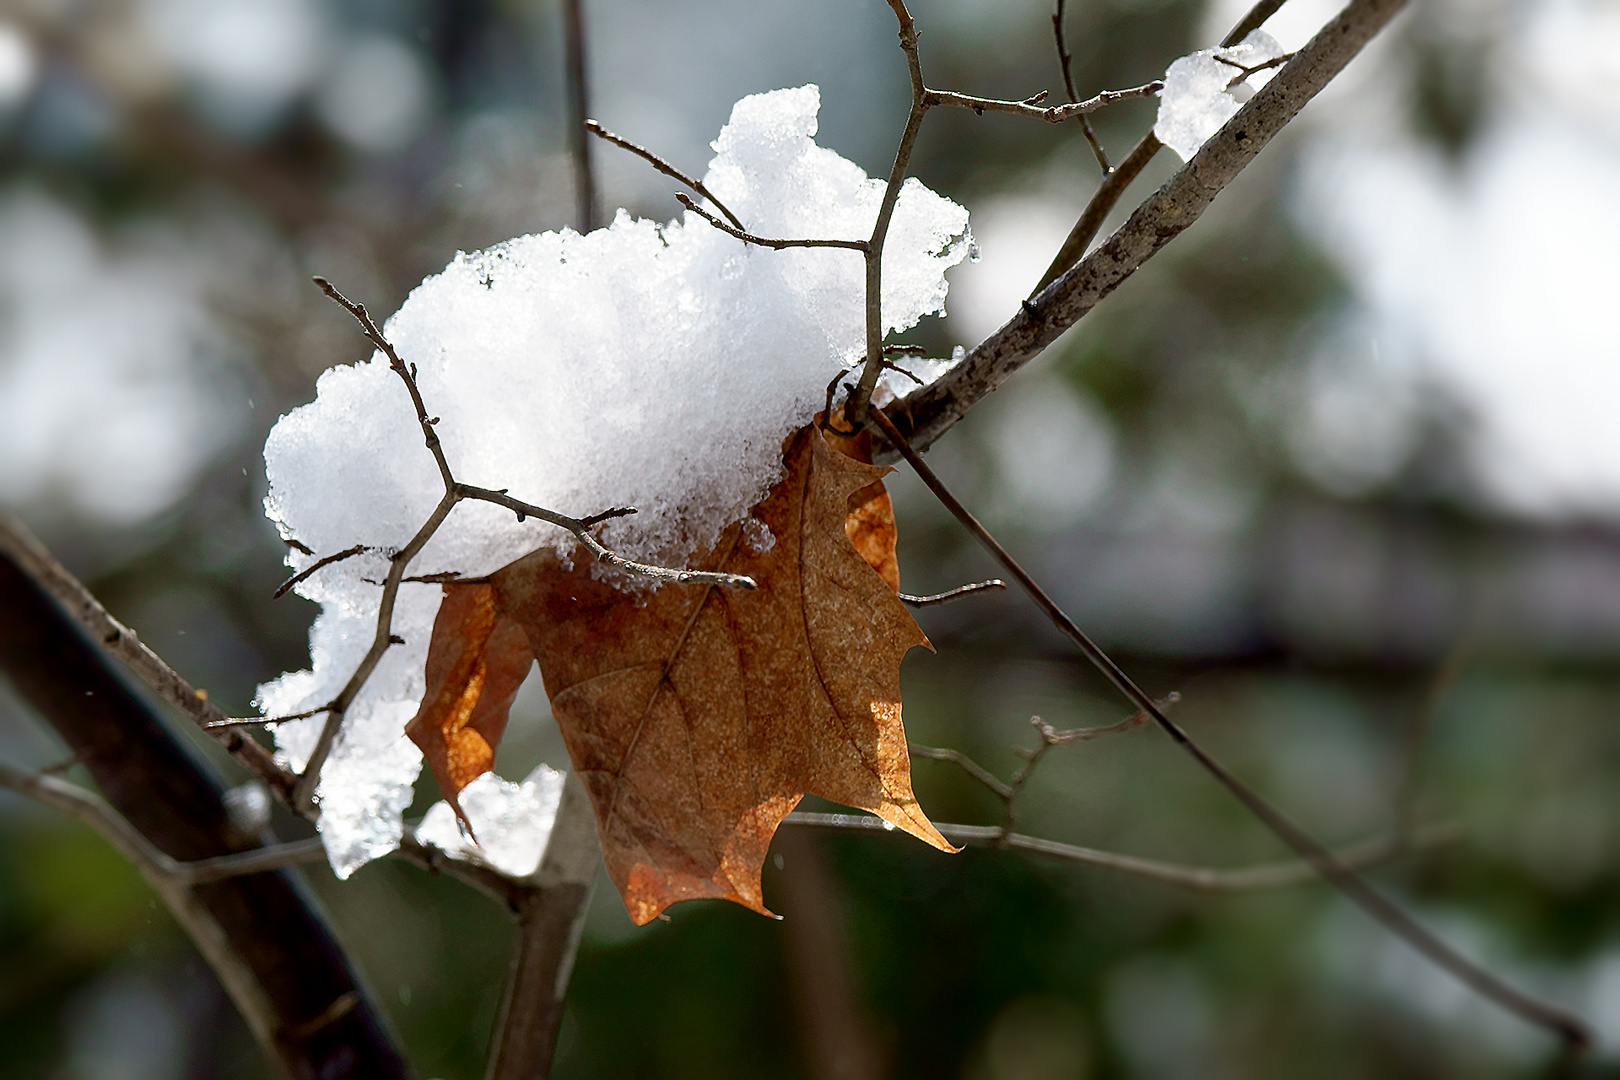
1277,875
764,241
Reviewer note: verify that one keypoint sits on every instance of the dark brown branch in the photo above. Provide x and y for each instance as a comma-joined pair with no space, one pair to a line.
281,590
1277,875
1570,1028
1252,21
579,109
763,241
662,166
19,547
1066,65
1172,209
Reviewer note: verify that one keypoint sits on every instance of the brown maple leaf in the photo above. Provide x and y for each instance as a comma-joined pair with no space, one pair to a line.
699,717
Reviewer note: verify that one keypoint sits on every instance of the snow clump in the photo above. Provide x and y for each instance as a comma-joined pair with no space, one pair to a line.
512,822
645,364
1197,97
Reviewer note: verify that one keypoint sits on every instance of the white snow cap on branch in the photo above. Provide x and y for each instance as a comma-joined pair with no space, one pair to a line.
644,364
1197,97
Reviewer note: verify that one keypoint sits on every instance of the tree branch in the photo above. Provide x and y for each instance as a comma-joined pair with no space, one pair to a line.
971,589
1573,1030
1115,182
1175,206
262,935
1277,875
1066,65
579,109
763,241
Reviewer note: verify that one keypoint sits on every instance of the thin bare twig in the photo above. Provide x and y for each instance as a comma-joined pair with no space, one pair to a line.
1030,107
1051,737
579,109
1569,1027
1066,64
662,166
872,370
971,589
922,99
1277,875
281,590
603,555
1008,791
763,241
263,721
1245,70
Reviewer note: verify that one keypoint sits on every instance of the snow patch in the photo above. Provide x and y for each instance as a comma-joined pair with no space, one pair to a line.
512,822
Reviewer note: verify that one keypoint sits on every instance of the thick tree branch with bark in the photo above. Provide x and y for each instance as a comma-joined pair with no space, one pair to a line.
262,934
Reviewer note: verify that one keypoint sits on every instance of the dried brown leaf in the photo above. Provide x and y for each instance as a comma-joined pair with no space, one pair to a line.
476,662
699,717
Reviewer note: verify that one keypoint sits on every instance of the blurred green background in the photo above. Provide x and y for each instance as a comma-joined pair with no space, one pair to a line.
1340,459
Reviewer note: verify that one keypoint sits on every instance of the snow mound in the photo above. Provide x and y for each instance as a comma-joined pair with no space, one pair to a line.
645,364
1197,97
